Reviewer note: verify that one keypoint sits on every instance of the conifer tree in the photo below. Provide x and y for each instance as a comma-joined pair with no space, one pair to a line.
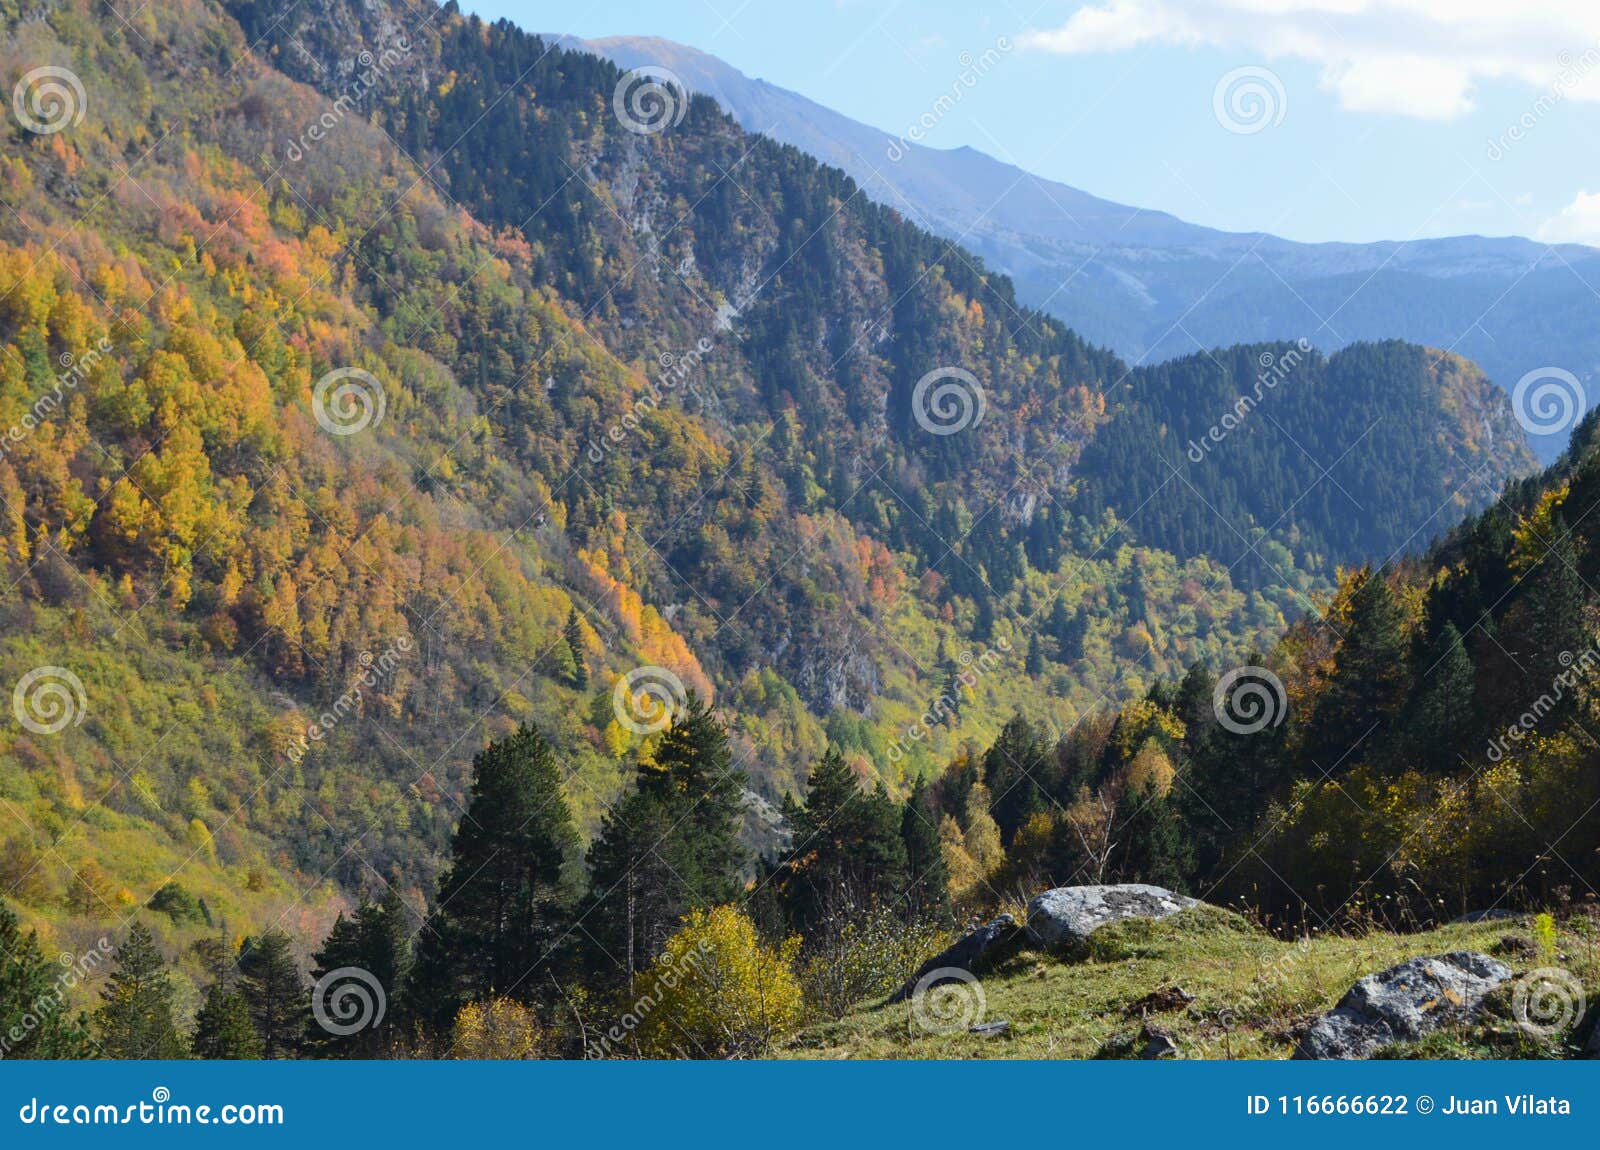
1371,676
1151,845
928,875
504,903
223,1029
271,983
135,1020
846,855
1441,715
636,898
572,632
376,940
1017,770
35,1018
692,773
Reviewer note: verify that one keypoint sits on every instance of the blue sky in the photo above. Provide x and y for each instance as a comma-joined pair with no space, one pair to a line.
1380,115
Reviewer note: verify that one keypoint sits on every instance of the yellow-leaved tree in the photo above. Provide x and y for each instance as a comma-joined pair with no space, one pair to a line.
718,991
500,1029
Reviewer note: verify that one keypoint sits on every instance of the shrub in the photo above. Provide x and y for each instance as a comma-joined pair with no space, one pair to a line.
718,992
499,1029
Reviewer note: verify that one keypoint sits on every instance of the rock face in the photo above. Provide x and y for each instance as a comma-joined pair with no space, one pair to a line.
1403,1002
1063,919
988,944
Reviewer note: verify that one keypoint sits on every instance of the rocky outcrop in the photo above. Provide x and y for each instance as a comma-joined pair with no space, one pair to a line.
983,947
1064,918
1403,1002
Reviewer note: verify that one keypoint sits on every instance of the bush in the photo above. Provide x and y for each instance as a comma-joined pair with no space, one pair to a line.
499,1029
718,992
868,956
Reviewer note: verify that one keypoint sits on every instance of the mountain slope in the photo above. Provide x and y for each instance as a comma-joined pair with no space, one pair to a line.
1152,286
359,423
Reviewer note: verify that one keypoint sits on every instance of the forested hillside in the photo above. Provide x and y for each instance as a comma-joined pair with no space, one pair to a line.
377,394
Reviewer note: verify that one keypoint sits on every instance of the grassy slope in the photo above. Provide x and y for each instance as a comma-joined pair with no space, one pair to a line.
1270,988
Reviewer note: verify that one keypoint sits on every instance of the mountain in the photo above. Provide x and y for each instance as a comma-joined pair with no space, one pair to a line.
1153,287
374,389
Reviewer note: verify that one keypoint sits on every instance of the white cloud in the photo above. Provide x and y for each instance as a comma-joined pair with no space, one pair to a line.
1412,57
1577,223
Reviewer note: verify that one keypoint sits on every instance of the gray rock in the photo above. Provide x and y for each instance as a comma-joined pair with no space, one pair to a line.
1160,1045
1063,919
985,946
1403,1002
996,1029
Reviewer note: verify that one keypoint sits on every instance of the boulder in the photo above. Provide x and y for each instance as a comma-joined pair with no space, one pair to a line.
1158,1045
1063,918
983,947
1403,1002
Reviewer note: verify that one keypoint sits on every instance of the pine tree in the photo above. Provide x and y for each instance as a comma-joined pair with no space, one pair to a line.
1441,715
135,1020
1034,665
1151,846
636,898
692,773
275,992
1017,770
377,941
35,1021
846,855
928,876
1554,592
223,1029
504,902
573,634
1371,676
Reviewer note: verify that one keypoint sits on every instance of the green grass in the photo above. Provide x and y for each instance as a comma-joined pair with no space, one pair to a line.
1252,993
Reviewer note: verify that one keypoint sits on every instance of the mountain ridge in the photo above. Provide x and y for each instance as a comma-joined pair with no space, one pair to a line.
1152,286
